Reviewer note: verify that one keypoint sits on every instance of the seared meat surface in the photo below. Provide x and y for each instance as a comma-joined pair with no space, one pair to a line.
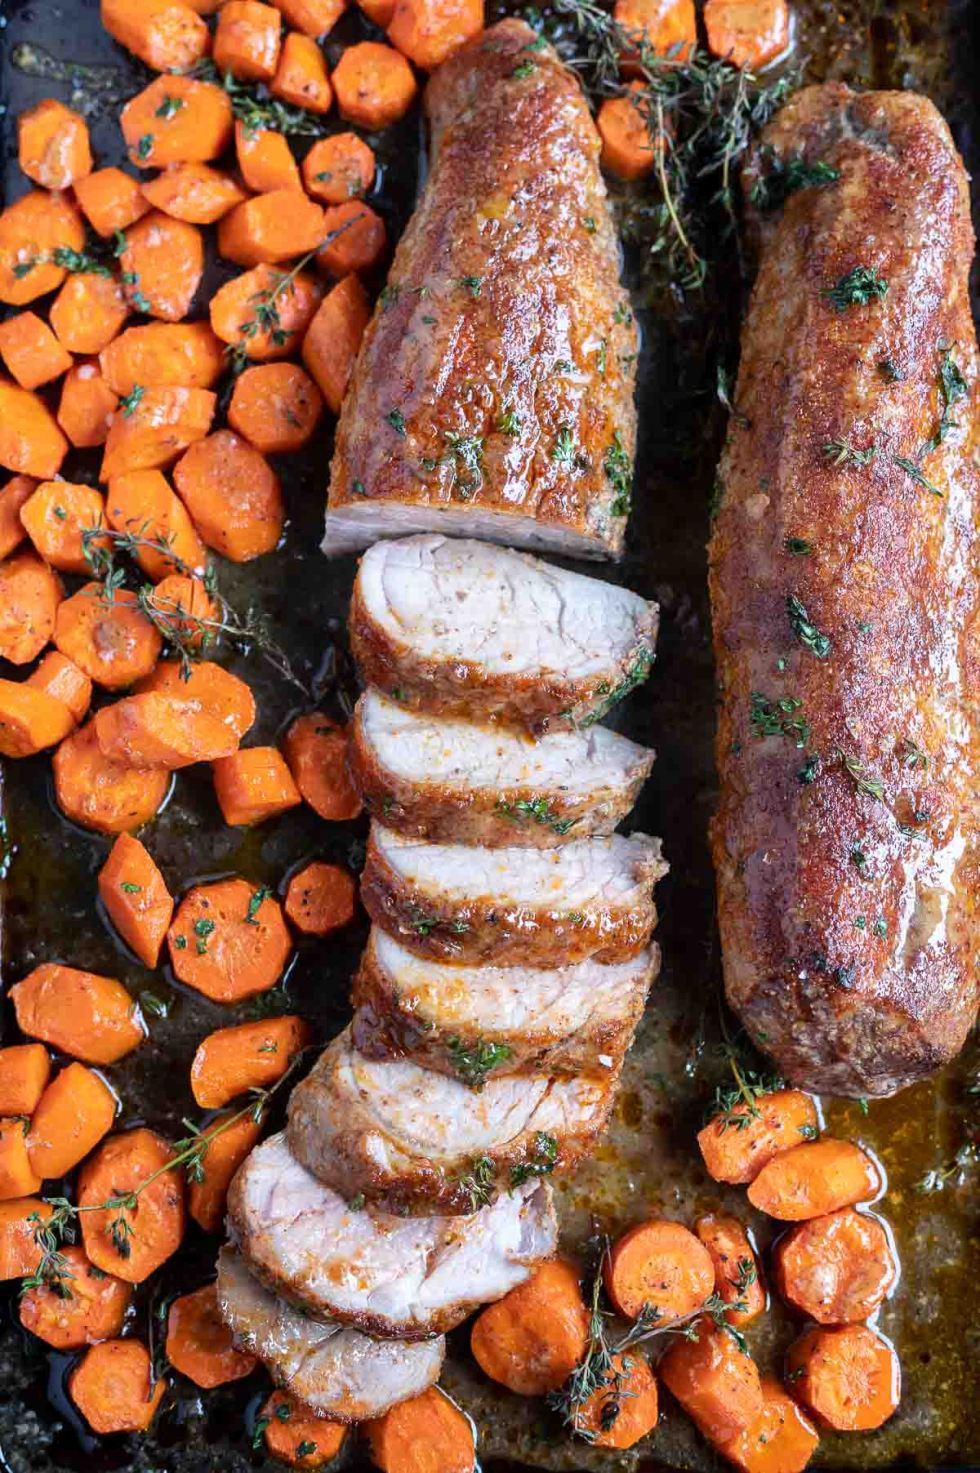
846,600
493,393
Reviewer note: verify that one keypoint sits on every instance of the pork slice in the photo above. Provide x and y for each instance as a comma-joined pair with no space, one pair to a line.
514,907
409,1277
471,1022
411,1140
465,628
449,780
337,1371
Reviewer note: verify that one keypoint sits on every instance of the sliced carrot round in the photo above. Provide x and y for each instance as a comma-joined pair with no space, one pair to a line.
737,1143
61,678
249,1056
76,1110
107,635
430,1421
125,1235
86,1306
661,1266
715,1382
186,614
254,785
338,168
30,593
30,719
158,730
849,1377
781,1439
293,1435
531,1340
316,750
276,407
216,690
24,1072
136,898
199,1343
355,239
836,1269
229,940
230,1142
85,1015
100,794
320,898
625,1408
113,1387
56,516
232,494
237,318
814,1178
736,1267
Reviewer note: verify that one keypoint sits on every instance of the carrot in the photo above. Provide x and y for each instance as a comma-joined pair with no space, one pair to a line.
199,1343
196,193
110,200
83,1306
31,443
62,679
87,405
849,1377
24,1071
85,1015
276,407
12,497
31,230
715,1382
301,77
737,1143
333,338
355,239
233,496
736,1267
142,503
374,85
320,898
156,730
163,355
781,1439
30,720
660,1265
31,351
88,312
379,11
339,168
254,785
316,750
664,25
265,159
229,940
108,637
272,227
188,611
154,426
215,689
627,148
531,1340
246,42
429,1432
20,1252
17,1177
835,1269
176,120
112,1385
625,1408
235,308
748,33
250,1056
53,145
56,516
162,265
312,17
131,1239
76,1110
428,31
226,1151
165,34
814,1178
102,795
30,593
136,899
295,1436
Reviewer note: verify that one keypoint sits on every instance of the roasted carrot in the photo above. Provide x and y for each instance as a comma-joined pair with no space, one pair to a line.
176,120
162,265
531,1340
429,1432
82,1306
30,593
17,1176
100,794
736,1267
31,443
110,200
374,85
265,159
55,518
109,638
379,11
625,1408
312,17
301,77
143,504
849,1377
836,1269
748,33
320,898
165,34
85,1015
627,148
275,407
24,1071
219,692
254,785
61,678
229,940
158,730
814,1178
429,31
664,25
237,320
355,239
338,168
780,1440
154,426
272,227
30,719
31,351
31,231
136,899
20,1252
737,1143
131,1239
247,40
53,145
184,607
660,1265
715,1382
199,1343
232,494
76,1110
316,750
250,1056
12,497
87,405
163,355
333,338
226,1151
88,312
112,1385
293,1435
196,193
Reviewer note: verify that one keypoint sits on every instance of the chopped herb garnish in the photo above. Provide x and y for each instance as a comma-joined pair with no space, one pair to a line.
255,904
145,146
806,632
473,284
619,473
777,718
864,784
203,928
169,107
129,887
798,546
508,422
563,450
128,403
538,810
474,1062
808,772
523,69
842,452
786,177
912,756
397,421
858,287
635,675
541,1163
911,469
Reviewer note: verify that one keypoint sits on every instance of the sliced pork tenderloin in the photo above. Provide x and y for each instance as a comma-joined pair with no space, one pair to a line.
469,629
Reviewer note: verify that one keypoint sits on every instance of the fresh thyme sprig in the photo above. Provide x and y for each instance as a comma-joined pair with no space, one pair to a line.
256,108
